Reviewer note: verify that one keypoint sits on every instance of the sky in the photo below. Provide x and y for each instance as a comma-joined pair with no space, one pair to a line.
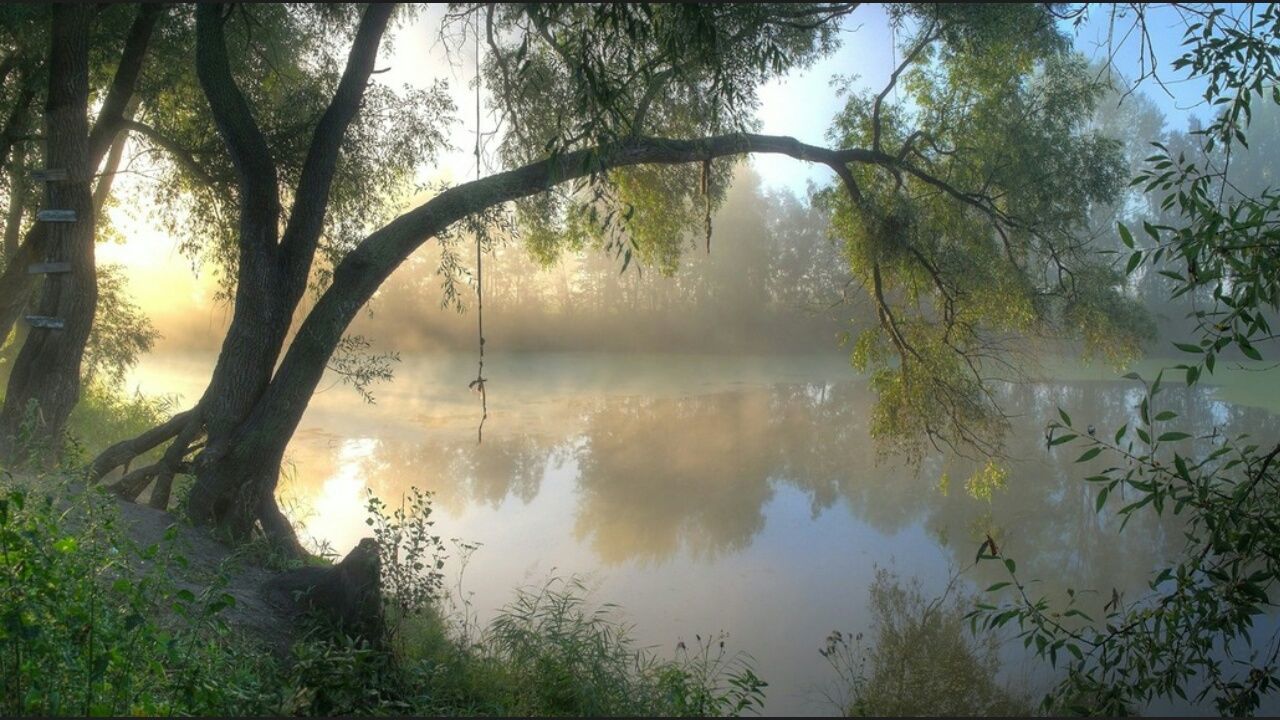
800,104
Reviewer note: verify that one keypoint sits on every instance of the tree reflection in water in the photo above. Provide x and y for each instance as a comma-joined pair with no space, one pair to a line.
919,658
654,476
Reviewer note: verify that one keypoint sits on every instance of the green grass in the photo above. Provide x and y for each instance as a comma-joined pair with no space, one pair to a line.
104,416
94,624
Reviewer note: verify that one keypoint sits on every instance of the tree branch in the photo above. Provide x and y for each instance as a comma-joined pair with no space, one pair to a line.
893,80
173,147
125,82
248,148
358,276
306,220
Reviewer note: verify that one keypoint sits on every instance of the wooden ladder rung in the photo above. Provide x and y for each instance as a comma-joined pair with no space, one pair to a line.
48,268
65,216
49,175
44,321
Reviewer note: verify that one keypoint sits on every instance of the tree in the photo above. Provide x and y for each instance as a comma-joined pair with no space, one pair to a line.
1195,635
615,117
45,379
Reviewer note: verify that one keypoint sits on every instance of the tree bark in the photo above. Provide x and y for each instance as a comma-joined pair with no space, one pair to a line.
13,218
231,485
45,381
272,276
16,285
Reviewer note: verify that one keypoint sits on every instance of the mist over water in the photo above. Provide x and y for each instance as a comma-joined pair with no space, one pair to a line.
697,444
707,493
769,283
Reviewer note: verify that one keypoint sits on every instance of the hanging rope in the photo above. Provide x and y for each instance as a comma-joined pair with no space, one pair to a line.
706,199
479,382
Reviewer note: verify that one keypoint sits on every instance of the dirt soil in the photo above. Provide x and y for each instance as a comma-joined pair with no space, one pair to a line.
252,613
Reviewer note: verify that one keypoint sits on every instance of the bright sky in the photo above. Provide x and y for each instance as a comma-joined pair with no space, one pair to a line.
801,104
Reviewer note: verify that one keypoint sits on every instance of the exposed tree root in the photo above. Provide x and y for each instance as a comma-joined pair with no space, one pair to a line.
132,485
277,528
123,452
184,428
172,463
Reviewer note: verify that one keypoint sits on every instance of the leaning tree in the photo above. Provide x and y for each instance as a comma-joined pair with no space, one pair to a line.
959,205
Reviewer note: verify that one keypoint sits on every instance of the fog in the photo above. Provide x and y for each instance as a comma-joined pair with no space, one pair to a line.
768,285
773,281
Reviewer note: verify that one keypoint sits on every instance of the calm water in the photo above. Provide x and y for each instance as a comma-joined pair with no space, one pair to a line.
708,494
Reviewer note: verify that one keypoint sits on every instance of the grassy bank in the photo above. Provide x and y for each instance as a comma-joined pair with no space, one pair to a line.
96,623
97,620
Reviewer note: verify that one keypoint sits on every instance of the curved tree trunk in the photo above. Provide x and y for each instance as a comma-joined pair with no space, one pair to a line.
232,485
252,407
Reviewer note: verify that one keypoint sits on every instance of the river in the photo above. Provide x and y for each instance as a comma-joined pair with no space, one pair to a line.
709,494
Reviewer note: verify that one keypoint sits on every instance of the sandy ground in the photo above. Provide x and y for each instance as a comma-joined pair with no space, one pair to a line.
207,562
252,613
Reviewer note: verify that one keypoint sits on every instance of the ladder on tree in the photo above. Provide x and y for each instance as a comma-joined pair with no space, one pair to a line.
56,267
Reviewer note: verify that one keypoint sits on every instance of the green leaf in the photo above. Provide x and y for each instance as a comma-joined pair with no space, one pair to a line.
1089,454
1173,436
1066,419
1125,236
1102,499
1134,261
1181,466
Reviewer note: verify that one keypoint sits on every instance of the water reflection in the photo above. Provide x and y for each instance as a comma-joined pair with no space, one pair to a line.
462,472
658,474
655,476
918,659
709,493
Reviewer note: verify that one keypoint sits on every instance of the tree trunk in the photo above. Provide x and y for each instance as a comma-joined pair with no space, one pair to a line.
235,489
234,483
107,176
17,197
16,284
45,381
